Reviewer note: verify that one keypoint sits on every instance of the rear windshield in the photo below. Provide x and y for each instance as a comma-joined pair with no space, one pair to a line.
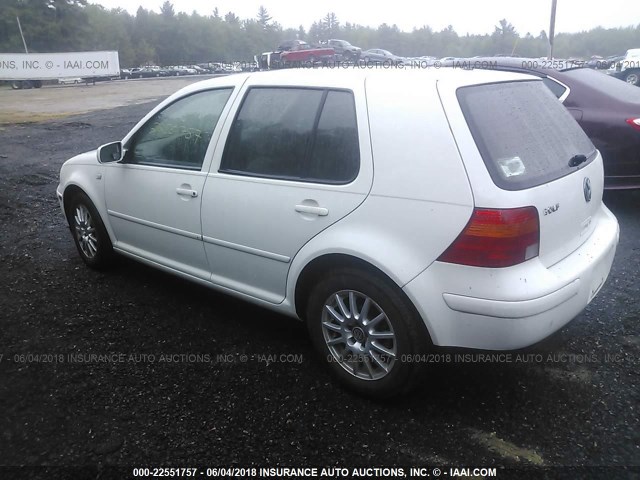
525,136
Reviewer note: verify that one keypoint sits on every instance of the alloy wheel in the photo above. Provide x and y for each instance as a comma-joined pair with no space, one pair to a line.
359,335
85,231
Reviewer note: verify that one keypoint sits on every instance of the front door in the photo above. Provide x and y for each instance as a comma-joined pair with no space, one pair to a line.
153,197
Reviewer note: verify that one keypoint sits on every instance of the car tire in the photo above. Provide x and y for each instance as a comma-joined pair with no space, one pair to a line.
370,350
633,78
89,233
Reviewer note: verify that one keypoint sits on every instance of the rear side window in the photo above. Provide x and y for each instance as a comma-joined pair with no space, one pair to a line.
294,134
557,89
525,136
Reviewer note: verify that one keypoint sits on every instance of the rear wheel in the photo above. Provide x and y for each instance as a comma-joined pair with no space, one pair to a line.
89,233
368,331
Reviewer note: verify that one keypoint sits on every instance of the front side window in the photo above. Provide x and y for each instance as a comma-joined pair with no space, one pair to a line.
178,136
295,134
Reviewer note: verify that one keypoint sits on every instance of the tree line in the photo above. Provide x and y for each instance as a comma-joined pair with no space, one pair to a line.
170,38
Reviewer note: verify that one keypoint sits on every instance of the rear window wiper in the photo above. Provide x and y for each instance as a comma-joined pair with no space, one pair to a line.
577,160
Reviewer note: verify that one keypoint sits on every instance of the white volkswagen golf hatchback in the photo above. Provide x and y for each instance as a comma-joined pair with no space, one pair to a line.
392,211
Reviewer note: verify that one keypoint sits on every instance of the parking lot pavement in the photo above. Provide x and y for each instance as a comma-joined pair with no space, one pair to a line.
135,367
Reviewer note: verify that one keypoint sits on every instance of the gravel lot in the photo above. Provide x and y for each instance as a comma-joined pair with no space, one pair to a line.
55,101
185,376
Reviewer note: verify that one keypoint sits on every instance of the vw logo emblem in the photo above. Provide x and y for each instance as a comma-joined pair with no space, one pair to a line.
586,187
358,335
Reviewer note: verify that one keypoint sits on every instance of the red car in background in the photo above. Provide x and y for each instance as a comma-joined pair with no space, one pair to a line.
299,52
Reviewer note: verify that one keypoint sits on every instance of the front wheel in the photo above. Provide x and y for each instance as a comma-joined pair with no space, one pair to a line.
368,331
89,233
633,78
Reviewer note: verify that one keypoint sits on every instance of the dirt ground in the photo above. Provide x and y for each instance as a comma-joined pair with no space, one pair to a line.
134,367
57,101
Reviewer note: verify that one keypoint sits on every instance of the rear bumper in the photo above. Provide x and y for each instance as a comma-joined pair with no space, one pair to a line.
509,308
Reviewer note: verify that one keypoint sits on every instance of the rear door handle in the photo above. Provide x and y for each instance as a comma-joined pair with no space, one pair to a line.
320,211
186,192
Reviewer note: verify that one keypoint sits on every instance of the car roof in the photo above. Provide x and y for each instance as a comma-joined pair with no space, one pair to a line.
354,77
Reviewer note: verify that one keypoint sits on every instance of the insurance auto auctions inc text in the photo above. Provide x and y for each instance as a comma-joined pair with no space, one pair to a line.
368,472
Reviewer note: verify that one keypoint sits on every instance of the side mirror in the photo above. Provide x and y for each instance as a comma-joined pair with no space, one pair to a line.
109,153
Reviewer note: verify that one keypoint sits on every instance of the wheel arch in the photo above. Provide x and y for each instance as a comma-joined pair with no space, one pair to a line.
71,189
321,265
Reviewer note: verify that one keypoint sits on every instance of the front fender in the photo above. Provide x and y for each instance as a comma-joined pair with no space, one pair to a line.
88,177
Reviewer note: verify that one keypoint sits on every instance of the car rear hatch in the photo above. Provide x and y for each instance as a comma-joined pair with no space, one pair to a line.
522,148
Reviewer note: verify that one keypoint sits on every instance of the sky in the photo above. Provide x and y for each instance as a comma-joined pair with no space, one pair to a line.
466,16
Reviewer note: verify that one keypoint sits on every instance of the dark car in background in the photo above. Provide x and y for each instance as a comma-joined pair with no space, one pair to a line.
378,55
344,50
148,72
600,63
607,109
289,45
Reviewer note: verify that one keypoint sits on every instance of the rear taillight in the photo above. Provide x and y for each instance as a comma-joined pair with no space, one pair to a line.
496,238
634,122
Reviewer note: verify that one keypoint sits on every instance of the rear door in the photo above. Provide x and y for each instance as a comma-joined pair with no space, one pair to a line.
522,148
296,160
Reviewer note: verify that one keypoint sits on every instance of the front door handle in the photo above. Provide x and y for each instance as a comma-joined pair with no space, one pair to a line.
186,192
320,211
